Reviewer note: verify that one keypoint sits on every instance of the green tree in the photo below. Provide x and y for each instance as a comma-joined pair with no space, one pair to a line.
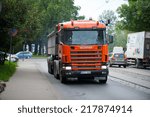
135,16
51,12
33,19
12,15
109,15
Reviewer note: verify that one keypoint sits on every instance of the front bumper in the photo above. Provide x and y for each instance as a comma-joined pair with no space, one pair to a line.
118,62
85,74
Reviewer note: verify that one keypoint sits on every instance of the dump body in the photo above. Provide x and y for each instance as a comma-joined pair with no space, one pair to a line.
78,49
52,45
138,47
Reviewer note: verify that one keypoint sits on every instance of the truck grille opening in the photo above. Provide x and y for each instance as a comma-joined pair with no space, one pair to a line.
86,59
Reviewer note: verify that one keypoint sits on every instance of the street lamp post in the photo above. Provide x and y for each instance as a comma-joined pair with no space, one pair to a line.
10,49
24,46
11,33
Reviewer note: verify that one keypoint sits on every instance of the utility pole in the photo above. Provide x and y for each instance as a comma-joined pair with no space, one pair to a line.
10,44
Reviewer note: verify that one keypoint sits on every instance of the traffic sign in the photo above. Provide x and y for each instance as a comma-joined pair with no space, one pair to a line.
13,32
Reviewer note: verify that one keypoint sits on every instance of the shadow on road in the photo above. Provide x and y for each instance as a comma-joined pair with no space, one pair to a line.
84,82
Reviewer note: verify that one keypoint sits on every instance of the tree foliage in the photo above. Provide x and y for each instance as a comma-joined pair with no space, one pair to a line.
135,16
33,19
11,16
109,15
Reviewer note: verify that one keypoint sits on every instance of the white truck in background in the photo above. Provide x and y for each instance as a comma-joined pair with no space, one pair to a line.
138,49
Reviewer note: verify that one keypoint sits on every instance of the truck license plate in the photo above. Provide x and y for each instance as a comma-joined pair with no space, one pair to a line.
85,72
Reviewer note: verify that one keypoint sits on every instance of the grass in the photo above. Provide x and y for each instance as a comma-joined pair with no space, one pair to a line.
6,70
39,56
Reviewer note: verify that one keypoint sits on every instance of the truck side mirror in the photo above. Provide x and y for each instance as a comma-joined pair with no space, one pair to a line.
107,22
109,39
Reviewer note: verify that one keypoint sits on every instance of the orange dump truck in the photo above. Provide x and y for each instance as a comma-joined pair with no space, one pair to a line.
78,50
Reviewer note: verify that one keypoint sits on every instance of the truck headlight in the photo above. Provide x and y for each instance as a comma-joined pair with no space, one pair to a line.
68,67
104,67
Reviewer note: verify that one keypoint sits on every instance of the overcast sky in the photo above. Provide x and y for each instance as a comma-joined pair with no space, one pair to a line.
93,8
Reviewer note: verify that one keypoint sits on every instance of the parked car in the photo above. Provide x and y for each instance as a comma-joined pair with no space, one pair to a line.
118,49
117,59
14,58
24,54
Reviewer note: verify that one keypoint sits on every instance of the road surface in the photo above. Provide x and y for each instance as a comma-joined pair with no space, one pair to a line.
32,82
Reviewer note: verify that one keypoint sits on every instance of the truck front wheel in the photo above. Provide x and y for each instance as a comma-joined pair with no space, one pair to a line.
62,78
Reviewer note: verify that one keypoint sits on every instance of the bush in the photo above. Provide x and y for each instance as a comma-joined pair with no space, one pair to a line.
7,70
2,57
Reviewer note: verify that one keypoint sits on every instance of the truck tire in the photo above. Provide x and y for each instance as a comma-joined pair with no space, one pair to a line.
61,77
124,66
137,63
55,71
144,67
103,81
50,69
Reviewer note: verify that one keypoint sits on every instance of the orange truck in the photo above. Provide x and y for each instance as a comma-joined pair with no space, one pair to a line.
78,50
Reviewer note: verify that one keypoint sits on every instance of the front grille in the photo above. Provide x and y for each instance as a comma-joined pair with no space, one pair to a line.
86,59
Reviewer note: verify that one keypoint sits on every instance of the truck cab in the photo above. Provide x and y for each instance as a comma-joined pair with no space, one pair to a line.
78,50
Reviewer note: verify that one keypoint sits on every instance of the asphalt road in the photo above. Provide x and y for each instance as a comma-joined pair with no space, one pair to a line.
131,76
32,81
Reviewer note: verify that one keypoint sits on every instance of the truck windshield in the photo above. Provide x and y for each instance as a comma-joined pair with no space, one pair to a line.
83,37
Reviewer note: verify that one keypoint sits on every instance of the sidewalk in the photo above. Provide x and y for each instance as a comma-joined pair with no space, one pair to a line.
28,83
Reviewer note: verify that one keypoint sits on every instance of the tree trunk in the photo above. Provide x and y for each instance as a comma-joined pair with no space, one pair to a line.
30,47
36,48
40,48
